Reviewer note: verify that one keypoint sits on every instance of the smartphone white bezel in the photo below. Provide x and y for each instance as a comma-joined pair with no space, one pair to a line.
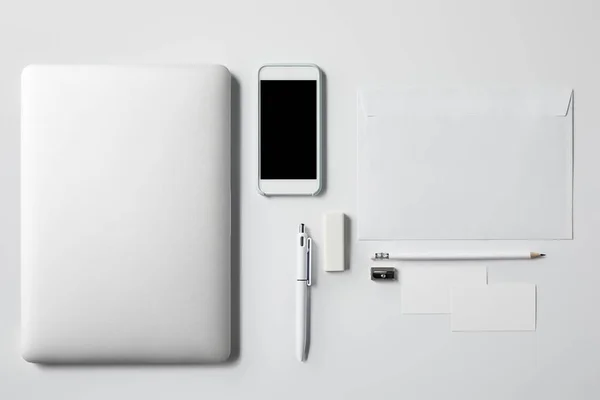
291,187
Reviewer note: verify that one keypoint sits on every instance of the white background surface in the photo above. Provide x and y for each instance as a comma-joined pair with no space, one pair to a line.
362,346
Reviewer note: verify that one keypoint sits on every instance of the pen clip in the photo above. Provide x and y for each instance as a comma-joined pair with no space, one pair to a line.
309,262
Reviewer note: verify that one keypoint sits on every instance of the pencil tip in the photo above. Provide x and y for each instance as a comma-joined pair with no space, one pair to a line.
542,255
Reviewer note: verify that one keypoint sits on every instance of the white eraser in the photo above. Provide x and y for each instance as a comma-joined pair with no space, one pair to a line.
334,245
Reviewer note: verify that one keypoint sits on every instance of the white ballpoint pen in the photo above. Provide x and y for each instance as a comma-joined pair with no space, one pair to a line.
303,282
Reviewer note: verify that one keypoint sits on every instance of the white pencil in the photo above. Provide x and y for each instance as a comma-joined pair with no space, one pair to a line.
515,255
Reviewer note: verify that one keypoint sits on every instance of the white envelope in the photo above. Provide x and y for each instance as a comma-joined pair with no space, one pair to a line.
465,164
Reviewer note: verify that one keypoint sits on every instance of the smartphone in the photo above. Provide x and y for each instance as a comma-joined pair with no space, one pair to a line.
289,130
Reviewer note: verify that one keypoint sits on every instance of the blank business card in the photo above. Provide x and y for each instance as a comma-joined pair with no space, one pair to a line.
426,289
496,307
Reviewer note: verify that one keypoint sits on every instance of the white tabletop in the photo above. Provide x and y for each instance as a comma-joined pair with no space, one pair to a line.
362,347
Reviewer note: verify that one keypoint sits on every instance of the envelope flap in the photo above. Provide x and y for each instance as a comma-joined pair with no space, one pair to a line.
428,102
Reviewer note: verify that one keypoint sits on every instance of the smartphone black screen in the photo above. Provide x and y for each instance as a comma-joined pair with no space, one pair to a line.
288,129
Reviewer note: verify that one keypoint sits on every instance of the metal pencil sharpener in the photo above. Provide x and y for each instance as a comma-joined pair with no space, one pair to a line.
383,274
